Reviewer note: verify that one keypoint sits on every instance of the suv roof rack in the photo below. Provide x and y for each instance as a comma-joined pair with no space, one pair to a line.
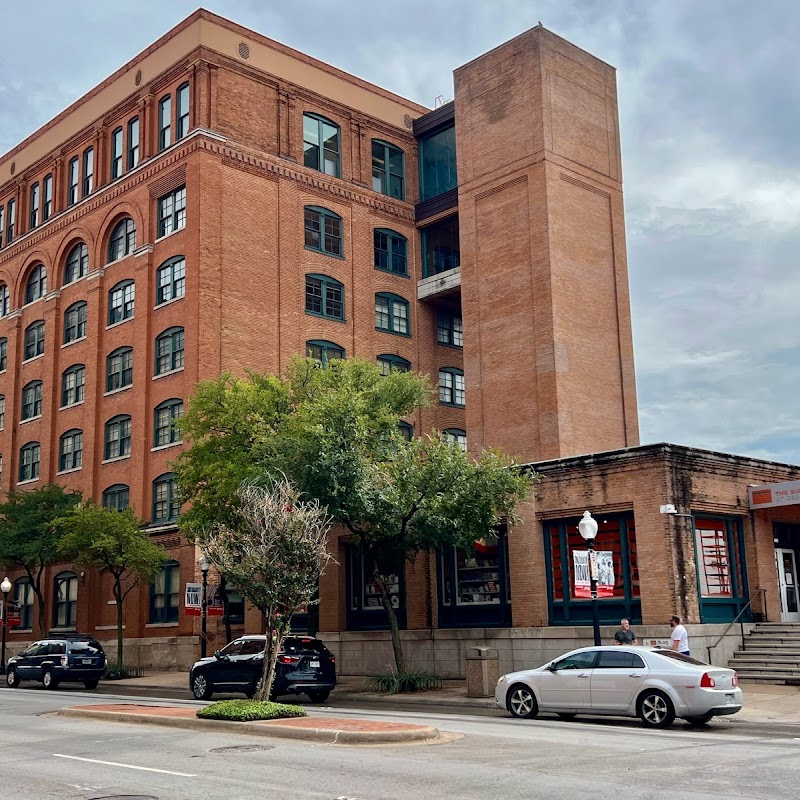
82,637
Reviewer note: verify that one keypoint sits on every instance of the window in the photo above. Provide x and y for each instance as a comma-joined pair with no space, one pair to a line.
88,171
70,450
164,428
123,239
120,302
47,206
116,154
406,430
437,163
29,461
23,597
456,436
391,251
718,558
34,339
182,112
164,120
577,661
73,385
11,217
2,412
324,296
117,497
166,505
172,212
449,329
75,322
133,142
171,280
388,362
322,351
5,300
164,593
72,185
1,225
616,659
119,369
391,314
34,205
118,437
440,247
169,351
65,600
32,400
321,145
323,230
77,263
3,354
36,286
388,170
451,387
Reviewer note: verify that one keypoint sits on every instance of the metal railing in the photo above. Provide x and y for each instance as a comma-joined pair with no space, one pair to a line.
738,618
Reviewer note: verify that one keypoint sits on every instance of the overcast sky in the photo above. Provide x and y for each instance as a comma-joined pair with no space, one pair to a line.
709,98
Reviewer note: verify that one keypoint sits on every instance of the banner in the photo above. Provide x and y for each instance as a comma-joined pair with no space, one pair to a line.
193,601
603,567
11,615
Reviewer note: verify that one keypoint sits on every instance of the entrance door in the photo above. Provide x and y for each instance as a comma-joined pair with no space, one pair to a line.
787,582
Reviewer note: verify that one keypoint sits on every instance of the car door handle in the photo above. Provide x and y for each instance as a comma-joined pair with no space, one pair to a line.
635,675
584,675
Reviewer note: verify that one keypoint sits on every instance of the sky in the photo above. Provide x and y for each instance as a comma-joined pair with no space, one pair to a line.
709,96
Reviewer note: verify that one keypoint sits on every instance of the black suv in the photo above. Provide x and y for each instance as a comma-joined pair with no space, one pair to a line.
304,666
50,661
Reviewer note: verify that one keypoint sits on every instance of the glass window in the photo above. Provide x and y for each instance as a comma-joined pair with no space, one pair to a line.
5,300
451,387
441,250
164,594
577,661
172,211
116,154
73,180
65,600
73,385
116,497
164,428
321,145
118,437
34,206
11,219
133,142
2,412
47,206
322,352
717,558
391,314
388,362
323,230
36,286
32,400
75,322
171,280
77,263
120,302
23,597
29,461
437,163
456,436
388,170
119,369
324,296
182,112
123,239
619,659
2,230
449,329
34,339
406,430
3,354
164,122
169,351
166,505
477,574
70,450
88,171
391,251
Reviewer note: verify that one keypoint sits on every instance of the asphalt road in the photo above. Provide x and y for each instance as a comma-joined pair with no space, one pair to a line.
45,756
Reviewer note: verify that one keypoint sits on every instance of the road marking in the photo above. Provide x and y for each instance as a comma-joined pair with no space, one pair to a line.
127,766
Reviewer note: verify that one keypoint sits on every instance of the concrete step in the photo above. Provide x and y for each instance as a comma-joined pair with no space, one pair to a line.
746,657
773,638
767,678
772,669
754,649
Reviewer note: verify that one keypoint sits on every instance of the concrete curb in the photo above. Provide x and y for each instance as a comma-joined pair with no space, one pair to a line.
418,735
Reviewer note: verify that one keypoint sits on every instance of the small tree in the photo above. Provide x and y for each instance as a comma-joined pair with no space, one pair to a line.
274,553
113,542
29,537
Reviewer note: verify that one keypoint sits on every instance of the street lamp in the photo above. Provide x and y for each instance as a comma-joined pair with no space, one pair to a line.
204,565
588,529
5,588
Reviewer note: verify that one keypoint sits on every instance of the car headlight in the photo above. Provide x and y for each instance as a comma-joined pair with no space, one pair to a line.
501,679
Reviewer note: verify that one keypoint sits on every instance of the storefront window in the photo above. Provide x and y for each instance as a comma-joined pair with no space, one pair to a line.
364,607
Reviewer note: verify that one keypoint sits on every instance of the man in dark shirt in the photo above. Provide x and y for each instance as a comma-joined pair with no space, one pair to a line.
625,634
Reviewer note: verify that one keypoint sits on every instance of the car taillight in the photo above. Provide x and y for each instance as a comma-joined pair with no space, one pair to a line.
707,682
735,680
64,661
288,659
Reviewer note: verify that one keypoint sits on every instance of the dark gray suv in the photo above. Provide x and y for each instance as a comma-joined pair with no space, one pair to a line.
53,660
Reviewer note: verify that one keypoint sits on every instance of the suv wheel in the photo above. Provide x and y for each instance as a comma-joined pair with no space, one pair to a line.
318,697
12,679
201,687
91,683
49,680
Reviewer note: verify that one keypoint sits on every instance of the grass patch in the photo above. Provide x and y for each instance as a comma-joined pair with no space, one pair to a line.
249,710
402,682
115,673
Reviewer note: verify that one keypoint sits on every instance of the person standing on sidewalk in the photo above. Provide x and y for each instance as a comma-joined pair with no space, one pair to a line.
680,639
625,634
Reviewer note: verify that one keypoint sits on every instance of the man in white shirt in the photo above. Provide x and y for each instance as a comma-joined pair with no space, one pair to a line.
680,639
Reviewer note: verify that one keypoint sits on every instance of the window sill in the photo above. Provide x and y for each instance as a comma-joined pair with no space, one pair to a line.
393,333
392,272
30,419
33,358
64,630
117,391
117,324
71,469
171,233
32,302
162,624
450,346
168,302
115,459
74,341
451,405
71,405
121,258
107,627
325,316
167,374
21,630
166,446
324,252
27,481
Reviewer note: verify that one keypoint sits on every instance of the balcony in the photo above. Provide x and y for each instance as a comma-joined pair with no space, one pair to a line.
440,285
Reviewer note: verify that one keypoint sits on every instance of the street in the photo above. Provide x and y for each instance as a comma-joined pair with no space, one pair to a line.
46,756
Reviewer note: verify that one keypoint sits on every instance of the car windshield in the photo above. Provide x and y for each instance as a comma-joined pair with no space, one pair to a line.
91,648
680,657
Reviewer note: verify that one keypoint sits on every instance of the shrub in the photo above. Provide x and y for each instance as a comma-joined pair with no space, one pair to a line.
399,682
249,710
114,673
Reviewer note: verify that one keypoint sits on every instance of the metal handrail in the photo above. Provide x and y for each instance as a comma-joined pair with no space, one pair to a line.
738,619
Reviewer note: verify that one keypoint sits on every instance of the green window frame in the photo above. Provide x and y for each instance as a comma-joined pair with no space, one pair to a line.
5,300
133,142
36,285
34,206
121,301
73,385
164,416
73,181
116,153
119,368
322,145
47,197
169,351
449,329
324,296
388,362
166,503
70,450
32,400
323,231
3,354
391,251
437,163
388,169
441,246
452,389
406,430
23,597
77,264
75,319
117,497
29,461
171,280
182,112
323,351
164,122
88,171
65,600
11,212
172,212
392,314
165,594
123,240
34,339
117,437
456,436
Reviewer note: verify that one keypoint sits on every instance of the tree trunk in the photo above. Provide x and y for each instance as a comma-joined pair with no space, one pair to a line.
36,585
394,627
226,609
118,598
272,647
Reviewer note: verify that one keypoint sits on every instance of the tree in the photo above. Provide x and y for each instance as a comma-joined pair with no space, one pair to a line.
275,552
112,542
29,537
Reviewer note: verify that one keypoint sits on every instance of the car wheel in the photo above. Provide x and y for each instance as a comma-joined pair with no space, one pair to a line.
318,697
567,715
91,684
655,709
521,702
49,680
201,687
12,679
703,719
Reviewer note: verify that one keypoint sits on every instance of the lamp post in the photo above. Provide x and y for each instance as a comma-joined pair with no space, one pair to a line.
204,565
5,588
588,529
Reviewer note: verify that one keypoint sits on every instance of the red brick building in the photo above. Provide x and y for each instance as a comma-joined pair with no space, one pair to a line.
224,202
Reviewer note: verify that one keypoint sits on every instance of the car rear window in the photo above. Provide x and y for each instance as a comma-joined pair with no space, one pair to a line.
681,657
304,645
90,648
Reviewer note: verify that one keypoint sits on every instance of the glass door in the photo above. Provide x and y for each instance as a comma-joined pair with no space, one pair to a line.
787,583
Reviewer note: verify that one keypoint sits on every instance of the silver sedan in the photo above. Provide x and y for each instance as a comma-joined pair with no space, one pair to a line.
655,685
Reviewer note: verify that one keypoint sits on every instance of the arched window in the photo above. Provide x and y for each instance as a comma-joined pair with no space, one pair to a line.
23,597
324,296
36,285
321,145
120,301
456,436
164,416
34,339
323,230
75,321
77,263
451,387
388,169
391,313
73,385
5,300
391,251
322,352
123,239
406,430
166,504
117,437
70,450
117,497
29,461
165,593
388,362
32,400
65,600
171,280
169,351
119,368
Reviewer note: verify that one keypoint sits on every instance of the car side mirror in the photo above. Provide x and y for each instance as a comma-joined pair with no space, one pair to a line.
551,667
220,656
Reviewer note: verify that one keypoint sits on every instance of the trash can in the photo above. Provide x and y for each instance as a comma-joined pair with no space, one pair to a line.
483,670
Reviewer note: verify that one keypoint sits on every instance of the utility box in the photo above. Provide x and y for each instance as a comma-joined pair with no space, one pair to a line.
483,671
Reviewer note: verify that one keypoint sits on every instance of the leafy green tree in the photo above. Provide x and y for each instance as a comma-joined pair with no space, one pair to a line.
29,537
112,542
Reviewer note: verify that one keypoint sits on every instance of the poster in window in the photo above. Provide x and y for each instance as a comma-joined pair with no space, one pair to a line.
605,573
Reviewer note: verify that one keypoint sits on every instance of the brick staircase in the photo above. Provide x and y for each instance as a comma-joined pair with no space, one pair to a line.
771,654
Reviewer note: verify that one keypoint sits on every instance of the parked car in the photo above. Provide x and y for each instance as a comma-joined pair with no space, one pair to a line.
304,666
655,685
51,661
